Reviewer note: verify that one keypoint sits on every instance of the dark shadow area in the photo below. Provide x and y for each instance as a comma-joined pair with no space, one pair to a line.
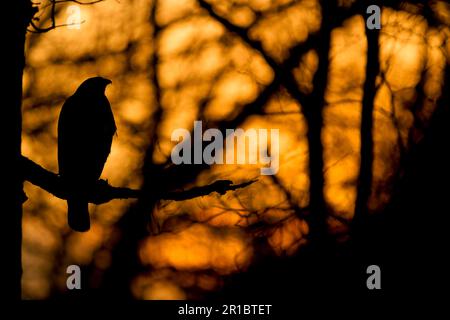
408,241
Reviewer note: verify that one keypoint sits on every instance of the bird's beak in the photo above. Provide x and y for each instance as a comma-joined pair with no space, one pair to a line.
108,81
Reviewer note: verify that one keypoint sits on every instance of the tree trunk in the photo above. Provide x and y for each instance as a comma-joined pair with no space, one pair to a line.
313,114
17,14
366,150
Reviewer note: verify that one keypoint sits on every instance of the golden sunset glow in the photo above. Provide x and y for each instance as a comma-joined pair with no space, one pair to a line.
205,72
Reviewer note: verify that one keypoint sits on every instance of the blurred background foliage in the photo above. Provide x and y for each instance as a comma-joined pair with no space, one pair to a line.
171,63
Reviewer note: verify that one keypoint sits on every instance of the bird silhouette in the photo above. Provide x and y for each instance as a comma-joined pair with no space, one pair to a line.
86,128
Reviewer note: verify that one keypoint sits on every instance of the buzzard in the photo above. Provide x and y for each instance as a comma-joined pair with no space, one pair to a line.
86,128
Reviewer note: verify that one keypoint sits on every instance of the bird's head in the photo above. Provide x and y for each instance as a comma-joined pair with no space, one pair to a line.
95,85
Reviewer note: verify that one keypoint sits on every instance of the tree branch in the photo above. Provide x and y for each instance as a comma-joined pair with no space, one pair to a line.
103,192
53,3
283,71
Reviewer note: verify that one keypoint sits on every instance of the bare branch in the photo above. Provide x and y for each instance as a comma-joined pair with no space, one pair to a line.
282,72
44,30
103,192
53,3
82,3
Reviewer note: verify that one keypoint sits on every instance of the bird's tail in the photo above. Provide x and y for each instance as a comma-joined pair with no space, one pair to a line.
78,215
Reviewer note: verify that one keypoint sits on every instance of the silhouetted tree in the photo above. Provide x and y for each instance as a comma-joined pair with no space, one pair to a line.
364,183
18,15
313,113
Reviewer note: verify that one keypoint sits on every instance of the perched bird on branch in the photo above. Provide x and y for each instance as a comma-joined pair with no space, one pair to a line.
86,128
